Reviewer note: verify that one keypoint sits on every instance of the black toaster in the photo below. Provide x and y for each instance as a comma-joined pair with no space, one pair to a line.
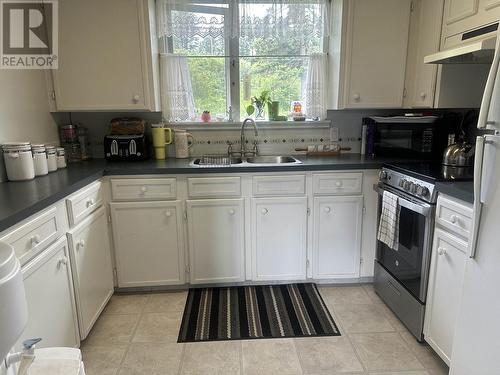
125,147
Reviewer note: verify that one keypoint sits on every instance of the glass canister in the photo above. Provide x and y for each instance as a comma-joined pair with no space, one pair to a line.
61,157
51,158
40,160
68,133
73,153
18,161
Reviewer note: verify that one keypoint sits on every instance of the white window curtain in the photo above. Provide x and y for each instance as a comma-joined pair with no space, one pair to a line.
295,19
176,89
315,88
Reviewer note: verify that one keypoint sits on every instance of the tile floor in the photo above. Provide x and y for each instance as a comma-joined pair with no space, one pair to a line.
137,334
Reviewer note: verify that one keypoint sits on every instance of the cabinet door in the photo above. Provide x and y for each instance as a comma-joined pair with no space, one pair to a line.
51,303
149,245
457,10
216,240
101,56
425,36
92,270
444,292
375,54
337,237
279,238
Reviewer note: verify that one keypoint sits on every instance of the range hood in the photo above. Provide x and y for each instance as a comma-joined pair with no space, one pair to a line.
479,52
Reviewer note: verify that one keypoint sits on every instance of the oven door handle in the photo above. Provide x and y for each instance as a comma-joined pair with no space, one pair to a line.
420,208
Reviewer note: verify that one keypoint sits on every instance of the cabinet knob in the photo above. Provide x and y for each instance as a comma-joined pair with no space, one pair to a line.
62,262
328,209
264,211
35,240
338,184
90,202
356,97
423,95
144,189
232,212
168,214
136,98
453,219
441,251
80,244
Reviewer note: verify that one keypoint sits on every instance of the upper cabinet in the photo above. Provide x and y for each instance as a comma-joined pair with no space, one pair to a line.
466,15
372,69
424,39
106,61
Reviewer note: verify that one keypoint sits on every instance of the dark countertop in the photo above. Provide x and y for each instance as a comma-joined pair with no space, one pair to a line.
19,200
463,190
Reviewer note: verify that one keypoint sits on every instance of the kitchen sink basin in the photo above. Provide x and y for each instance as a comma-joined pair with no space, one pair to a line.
223,161
272,160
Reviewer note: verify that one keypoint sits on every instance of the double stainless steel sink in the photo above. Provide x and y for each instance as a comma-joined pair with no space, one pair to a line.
250,161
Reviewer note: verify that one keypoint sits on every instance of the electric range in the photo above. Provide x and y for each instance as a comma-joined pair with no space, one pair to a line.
401,274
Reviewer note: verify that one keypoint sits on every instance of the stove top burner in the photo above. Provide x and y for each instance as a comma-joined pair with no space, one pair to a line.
433,172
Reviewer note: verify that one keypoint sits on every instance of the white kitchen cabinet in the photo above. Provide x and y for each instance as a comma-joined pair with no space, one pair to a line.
374,59
466,15
106,61
149,243
51,304
279,238
425,36
92,270
337,237
216,234
444,292
457,10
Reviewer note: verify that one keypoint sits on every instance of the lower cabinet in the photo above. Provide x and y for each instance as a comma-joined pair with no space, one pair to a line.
51,303
92,269
449,255
149,243
337,236
279,240
216,240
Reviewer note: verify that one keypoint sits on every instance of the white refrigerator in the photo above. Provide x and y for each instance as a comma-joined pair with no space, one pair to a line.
476,346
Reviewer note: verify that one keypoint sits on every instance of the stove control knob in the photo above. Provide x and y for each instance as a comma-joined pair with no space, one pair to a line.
425,192
407,185
382,175
402,183
413,188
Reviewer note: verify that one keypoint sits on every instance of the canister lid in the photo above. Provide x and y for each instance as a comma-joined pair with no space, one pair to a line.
16,146
50,149
38,147
8,262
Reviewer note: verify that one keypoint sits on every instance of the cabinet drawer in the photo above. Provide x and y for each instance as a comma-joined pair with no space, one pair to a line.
337,183
143,189
32,237
84,202
210,187
279,185
454,216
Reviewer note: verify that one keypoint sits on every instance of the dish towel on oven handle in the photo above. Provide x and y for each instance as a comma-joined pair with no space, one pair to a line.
388,228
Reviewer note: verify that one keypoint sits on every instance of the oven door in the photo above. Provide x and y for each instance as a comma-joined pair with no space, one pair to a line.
410,263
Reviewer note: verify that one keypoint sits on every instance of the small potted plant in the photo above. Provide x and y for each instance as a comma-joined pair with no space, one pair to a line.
259,103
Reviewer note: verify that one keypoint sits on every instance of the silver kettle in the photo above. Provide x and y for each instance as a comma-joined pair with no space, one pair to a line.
459,155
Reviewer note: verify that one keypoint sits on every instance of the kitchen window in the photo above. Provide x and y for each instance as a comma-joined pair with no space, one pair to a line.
216,55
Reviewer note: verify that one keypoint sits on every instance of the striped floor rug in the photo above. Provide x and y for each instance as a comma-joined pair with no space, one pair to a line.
255,312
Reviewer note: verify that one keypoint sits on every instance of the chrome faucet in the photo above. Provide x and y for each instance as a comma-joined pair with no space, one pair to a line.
243,138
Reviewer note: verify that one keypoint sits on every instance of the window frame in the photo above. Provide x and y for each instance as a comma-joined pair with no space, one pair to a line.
232,48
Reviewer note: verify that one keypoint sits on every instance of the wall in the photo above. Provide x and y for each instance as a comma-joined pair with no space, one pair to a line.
24,108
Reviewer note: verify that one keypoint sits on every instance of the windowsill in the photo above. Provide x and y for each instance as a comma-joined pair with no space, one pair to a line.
198,125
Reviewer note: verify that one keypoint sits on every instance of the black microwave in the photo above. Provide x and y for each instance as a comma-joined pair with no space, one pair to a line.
402,136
